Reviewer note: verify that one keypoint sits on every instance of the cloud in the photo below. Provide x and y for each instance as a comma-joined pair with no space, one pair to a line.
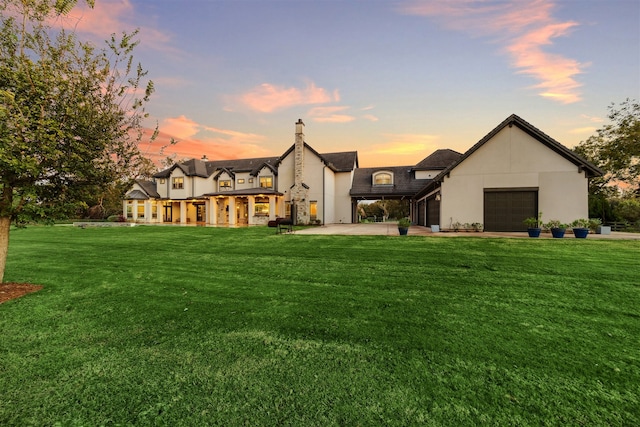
593,119
109,17
405,144
195,140
330,115
268,98
585,130
523,28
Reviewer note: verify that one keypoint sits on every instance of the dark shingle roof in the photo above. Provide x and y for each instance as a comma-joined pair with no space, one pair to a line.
404,183
342,162
534,132
439,159
148,191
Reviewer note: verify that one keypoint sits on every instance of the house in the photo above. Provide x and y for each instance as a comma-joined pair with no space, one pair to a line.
510,174
301,184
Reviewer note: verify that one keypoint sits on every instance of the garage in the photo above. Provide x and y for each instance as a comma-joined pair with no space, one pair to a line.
505,209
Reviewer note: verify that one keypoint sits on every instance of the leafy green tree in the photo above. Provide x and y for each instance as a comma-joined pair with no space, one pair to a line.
70,115
615,148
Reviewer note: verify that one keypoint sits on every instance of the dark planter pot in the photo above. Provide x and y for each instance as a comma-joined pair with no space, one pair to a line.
581,233
558,233
403,230
534,232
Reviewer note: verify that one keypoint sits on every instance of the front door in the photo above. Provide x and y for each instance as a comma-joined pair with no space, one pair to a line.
167,217
200,211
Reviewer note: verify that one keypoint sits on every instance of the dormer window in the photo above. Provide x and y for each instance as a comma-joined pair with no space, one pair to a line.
226,183
266,182
383,178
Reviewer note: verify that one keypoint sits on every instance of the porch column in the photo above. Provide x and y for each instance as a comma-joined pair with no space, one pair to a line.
251,209
147,211
232,210
211,210
134,213
183,212
272,207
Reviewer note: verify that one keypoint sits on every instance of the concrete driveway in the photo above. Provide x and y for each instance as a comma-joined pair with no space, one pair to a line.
391,229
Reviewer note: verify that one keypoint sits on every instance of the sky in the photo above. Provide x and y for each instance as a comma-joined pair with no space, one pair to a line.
393,80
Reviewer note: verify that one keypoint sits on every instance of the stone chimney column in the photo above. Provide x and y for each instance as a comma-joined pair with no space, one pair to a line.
299,154
299,191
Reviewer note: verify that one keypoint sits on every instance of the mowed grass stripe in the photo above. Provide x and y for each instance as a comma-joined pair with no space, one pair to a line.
213,326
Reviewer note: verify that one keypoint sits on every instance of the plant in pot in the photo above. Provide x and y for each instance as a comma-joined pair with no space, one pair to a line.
403,226
557,228
534,225
580,228
594,225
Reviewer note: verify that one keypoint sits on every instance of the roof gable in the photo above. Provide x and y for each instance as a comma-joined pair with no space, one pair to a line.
535,133
514,120
439,159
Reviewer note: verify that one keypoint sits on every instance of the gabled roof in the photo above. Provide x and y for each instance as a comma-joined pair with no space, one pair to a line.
341,162
264,165
148,191
224,170
514,120
204,169
438,160
241,165
344,161
404,183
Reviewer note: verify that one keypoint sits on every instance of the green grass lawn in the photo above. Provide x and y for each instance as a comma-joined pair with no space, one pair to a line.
211,326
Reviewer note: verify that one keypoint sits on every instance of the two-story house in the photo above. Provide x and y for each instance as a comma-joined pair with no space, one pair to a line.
512,173
301,184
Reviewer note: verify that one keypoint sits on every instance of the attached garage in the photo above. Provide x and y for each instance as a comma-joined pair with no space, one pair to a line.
505,209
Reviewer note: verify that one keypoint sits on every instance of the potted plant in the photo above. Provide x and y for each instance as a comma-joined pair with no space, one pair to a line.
580,228
534,225
557,228
403,226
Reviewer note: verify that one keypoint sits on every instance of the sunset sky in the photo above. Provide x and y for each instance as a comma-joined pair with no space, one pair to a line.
394,80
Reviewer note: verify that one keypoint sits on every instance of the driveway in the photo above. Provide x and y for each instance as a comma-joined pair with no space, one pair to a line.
391,229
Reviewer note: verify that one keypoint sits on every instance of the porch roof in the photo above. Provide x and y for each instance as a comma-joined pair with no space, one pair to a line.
258,191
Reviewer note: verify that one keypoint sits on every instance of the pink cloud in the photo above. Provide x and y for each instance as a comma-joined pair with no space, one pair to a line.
268,98
108,17
330,114
523,27
195,140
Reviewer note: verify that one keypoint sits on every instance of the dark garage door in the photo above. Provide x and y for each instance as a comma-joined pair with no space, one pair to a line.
505,210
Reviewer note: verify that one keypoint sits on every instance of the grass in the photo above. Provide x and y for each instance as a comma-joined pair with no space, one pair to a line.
211,326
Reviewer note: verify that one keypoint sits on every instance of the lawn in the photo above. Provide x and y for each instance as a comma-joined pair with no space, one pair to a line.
187,326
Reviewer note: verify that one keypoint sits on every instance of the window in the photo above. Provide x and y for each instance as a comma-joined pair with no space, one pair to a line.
178,183
313,210
226,183
250,180
129,210
241,181
162,180
154,211
261,206
382,178
140,210
266,182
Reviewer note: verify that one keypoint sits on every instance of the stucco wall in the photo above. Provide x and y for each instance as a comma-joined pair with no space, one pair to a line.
513,159
342,197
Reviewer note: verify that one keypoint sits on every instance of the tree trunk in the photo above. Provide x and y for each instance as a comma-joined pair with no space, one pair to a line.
5,223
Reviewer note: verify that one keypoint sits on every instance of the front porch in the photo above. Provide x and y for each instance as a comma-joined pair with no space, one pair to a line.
229,210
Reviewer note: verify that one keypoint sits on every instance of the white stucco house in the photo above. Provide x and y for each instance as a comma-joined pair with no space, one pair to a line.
510,174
